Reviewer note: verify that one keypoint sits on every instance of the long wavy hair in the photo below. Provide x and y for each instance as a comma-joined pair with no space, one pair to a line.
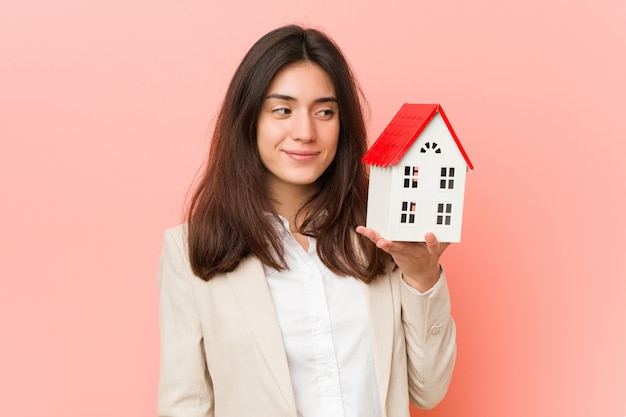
227,214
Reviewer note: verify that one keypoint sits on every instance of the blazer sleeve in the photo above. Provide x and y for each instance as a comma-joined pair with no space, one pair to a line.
185,388
430,336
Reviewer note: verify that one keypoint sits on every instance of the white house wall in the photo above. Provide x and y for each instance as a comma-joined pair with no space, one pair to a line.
379,195
428,195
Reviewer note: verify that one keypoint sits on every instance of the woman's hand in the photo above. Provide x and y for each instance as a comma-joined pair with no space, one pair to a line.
418,261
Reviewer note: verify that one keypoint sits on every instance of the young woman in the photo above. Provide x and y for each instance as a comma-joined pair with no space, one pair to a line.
275,300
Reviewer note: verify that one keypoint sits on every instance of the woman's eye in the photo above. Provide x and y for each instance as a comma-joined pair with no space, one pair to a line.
326,113
283,111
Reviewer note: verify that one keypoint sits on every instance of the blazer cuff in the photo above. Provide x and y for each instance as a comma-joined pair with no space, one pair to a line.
428,291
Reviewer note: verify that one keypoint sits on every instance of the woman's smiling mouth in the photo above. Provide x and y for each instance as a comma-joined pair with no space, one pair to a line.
302,156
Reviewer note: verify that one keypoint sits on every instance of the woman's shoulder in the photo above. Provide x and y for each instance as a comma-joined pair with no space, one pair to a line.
178,232
176,251
175,239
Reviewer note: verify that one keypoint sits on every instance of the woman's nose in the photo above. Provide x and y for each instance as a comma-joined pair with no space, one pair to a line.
303,128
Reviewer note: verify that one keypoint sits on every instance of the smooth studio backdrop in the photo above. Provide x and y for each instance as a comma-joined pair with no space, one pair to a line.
106,110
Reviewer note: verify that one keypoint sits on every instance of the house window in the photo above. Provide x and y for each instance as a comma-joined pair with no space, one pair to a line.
430,146
444,214
447,178
407,215
410,176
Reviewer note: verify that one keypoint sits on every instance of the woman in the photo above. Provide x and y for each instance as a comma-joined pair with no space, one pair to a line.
275,300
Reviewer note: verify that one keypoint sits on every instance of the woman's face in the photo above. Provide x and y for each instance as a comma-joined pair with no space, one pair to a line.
298,127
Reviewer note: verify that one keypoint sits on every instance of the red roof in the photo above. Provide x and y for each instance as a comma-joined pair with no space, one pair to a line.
402,132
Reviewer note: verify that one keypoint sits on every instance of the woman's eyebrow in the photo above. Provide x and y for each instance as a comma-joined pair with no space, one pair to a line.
326,99
289,98
281,97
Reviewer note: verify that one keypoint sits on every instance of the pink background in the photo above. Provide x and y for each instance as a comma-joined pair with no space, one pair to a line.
105,109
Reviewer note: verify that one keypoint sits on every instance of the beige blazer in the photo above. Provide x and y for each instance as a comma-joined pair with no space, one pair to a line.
222,353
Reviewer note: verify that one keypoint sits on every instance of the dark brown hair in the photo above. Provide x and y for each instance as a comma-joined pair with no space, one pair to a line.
228,212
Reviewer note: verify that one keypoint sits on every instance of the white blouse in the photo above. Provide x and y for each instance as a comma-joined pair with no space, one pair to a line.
324,322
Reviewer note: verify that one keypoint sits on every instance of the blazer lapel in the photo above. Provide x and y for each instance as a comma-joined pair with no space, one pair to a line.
250,287
381,317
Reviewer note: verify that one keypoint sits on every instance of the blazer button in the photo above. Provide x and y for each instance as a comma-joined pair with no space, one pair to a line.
435,329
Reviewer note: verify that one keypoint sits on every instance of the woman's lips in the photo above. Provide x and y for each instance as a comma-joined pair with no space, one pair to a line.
302,156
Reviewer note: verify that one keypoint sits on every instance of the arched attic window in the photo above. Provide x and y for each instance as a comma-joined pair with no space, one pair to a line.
430,146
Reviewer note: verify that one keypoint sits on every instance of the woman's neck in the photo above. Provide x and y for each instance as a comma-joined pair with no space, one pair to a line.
288,204
289,199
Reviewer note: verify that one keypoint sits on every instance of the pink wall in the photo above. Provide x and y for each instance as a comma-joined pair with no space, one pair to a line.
104,113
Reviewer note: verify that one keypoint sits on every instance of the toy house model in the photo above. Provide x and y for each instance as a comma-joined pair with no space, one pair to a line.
417,177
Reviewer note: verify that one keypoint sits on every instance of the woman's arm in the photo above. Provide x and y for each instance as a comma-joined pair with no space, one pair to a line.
430,336
429,330
185,388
